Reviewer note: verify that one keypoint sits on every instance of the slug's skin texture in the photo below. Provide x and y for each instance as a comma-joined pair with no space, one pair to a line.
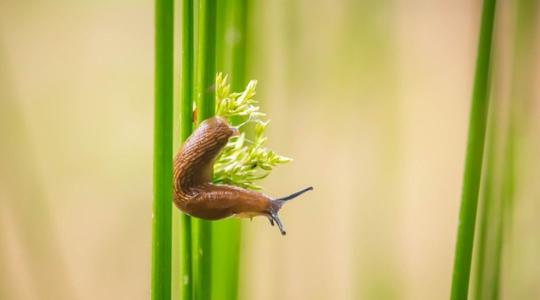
197,196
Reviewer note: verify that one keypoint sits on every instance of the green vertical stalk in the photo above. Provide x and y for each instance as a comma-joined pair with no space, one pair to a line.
182,287
235,48
221,19
486,213
231,60
474,156
507,191
205,88
163,127
525,34
492,215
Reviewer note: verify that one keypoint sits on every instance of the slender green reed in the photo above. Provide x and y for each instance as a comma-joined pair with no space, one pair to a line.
525,34
205,89
495,234
182,287
235,49
486,213
492,215
474,156
163,125
233,16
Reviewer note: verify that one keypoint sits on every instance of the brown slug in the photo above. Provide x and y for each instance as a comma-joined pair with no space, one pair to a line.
197,196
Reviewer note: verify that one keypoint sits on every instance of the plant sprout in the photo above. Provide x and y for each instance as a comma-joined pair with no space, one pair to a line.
243,161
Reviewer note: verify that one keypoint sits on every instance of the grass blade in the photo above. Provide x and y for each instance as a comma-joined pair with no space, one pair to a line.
474,156
205,88
186,127
226,237
163,126
182,270
525,28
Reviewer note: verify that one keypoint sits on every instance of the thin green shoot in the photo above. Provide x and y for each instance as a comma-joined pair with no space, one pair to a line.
474,157
163,143
205,95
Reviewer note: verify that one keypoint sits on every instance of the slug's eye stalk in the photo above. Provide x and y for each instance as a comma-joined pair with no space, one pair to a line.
276,204
294,195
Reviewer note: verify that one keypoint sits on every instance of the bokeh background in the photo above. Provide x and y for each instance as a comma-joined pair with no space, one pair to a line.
371,99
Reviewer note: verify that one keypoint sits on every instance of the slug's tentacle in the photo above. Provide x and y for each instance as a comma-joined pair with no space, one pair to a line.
276,205
294,195
196,195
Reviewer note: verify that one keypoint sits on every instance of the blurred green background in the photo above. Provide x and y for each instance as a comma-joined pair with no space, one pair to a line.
371,99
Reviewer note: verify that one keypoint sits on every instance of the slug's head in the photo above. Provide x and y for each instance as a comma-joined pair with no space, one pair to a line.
276,204
219,128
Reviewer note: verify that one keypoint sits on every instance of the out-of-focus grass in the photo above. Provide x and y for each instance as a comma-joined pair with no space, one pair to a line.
85,107
503,178
516,168
25,209
474,155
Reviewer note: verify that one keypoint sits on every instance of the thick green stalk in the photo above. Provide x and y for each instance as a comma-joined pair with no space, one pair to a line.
163,127
231,60
182,287
205,88
235,49
474,156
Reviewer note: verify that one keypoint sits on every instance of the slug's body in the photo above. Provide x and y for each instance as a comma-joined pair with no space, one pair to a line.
194,193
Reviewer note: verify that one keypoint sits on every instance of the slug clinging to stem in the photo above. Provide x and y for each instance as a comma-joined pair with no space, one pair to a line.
196,195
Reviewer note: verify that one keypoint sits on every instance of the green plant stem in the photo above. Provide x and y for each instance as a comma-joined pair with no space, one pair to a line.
491,287
525,36
206,72
474,156
227,233
182,222
486,213
235,49
163,127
